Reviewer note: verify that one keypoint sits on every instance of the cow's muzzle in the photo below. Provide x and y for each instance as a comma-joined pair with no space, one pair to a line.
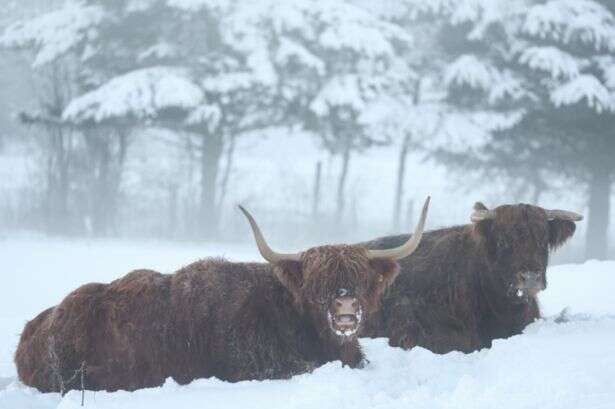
345,316
528,284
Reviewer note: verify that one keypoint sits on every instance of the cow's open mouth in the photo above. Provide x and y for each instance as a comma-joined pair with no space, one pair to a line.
345,325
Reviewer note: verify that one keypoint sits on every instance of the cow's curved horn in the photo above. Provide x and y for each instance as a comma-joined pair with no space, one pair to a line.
409,246
266,251
564,215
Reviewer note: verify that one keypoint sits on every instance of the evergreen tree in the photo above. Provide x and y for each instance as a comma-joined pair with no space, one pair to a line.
548,66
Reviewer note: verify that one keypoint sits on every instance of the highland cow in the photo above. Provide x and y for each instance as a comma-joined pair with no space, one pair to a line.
468,285
234,321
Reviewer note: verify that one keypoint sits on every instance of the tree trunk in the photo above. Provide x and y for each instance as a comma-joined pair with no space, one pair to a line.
599,204
58,182
536,193
538,186
108,150
399,188
117,174
100,205
401,167
341,185
172,210
226,174
316,194
190,200
211,151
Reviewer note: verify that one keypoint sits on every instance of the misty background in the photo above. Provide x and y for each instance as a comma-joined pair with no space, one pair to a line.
330,120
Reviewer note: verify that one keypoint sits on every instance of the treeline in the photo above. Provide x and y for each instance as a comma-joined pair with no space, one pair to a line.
503,92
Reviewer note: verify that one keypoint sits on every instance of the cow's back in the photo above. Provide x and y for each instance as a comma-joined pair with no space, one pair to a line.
431,304
130,327
32,353
233,321
116,329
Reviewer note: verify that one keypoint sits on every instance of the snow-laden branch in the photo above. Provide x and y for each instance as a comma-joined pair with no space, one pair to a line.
471,71
566,20
141,93
289,51
552,60
396,117
335,26
339,91
607,66
584,87
455,126
55,33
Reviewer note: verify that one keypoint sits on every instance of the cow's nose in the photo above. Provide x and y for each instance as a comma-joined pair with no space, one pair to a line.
346,306
531,280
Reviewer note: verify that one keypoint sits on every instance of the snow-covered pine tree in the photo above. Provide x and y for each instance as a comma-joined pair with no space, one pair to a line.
546,65
330,75
568,61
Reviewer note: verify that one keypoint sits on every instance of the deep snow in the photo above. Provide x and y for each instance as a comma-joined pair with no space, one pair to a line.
554,364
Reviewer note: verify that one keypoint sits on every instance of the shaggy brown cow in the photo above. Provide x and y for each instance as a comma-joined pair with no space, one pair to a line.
234,321
470,284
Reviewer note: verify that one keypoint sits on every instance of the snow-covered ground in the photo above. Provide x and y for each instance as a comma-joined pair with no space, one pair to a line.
554,364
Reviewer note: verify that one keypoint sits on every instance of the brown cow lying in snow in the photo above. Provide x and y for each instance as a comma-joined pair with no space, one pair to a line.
234,321
467,285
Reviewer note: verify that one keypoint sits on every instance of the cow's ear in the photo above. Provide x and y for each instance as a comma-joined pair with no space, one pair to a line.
559,232
290,275
385,271
483,231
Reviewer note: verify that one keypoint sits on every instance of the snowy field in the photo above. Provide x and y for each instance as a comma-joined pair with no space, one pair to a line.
554,364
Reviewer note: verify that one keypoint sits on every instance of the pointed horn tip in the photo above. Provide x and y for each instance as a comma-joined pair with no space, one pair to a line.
410,245
266,251
425,208
244,211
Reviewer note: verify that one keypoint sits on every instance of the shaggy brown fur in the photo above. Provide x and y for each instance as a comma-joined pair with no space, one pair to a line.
454,292
234,321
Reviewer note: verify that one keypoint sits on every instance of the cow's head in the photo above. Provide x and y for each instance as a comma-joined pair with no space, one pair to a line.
337,285
517,240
